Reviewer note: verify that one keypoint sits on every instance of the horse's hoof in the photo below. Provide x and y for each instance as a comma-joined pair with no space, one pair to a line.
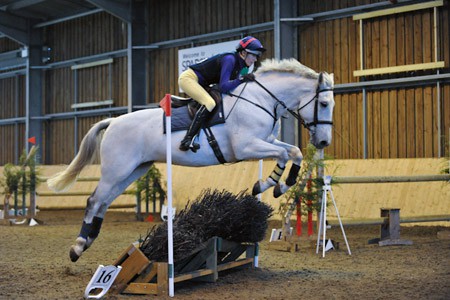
277,191
73,254
256,189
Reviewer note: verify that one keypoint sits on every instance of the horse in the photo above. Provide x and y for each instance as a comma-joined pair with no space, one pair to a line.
129,144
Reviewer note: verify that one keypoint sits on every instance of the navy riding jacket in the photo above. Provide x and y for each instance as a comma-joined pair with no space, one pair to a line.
222,69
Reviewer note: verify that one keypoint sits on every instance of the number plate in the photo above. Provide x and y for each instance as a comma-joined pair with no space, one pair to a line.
102,279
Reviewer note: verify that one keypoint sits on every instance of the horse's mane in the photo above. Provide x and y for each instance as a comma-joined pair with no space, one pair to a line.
287,65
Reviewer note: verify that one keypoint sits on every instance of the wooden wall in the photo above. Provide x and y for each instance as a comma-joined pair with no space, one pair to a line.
12,105
90,35
401,122
10,90
181,19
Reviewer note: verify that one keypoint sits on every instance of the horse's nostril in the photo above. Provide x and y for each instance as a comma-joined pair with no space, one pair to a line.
323,144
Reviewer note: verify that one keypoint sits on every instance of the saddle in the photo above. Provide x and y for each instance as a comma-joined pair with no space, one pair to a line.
193,105
184,109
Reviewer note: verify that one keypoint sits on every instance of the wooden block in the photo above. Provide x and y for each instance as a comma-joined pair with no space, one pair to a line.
211,264
235,264
234,253
226,246
163,279
443,235
148,274
133,262
280,246
141,288
200,258
192,275
394,242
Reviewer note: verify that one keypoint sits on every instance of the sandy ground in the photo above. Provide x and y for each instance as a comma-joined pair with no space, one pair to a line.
35,264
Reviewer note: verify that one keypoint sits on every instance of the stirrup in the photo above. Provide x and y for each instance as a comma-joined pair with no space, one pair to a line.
193,146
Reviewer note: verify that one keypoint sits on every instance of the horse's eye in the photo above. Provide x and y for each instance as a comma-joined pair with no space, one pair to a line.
324,104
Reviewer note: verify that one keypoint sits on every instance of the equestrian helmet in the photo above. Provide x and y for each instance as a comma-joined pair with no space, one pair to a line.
251,45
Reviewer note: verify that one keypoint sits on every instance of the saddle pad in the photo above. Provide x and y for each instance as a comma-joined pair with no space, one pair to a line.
181,119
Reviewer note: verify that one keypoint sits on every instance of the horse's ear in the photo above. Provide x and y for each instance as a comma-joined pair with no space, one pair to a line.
322,84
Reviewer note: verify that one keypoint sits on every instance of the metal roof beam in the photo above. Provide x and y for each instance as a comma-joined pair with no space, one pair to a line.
68,18
115,8
12,73
212,36
14,27
20,4
350,11
13,59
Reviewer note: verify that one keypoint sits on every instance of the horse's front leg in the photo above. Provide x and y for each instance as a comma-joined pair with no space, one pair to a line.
262,185
281,187
296,156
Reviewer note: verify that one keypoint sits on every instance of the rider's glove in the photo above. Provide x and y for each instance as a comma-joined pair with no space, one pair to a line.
248,77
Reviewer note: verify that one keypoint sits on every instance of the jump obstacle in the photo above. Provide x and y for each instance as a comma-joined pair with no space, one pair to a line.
27,214
139,275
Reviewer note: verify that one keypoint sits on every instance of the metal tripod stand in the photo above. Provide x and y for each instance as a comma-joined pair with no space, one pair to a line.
323,217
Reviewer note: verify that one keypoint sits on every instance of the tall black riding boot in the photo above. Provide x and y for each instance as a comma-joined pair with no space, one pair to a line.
199,118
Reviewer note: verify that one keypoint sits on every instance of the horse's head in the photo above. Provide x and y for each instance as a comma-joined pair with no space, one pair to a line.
318,113
299,88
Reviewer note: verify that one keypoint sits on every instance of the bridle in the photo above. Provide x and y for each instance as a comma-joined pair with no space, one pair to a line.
296,114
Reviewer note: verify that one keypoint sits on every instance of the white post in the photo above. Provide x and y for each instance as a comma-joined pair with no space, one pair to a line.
167,107
324,221
260,174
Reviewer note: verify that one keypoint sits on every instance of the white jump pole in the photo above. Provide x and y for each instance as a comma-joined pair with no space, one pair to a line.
166,105
260,174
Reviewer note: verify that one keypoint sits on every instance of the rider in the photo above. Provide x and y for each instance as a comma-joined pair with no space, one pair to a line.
228,70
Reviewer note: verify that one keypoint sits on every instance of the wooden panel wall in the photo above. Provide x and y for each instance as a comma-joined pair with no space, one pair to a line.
90,35
179,19
7,45
58,90
12,105
401,122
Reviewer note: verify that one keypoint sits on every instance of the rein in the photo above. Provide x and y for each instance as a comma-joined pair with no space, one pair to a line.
316,120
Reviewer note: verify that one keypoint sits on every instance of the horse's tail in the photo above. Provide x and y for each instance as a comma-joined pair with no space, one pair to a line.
89,145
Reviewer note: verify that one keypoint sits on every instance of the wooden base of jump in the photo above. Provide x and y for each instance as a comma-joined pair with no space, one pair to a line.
292,243
139,275
444,235
28,219
390,229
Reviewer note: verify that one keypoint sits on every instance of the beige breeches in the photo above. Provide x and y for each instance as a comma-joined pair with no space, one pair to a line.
188,81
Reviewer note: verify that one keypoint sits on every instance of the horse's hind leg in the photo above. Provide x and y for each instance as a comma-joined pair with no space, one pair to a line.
96,207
